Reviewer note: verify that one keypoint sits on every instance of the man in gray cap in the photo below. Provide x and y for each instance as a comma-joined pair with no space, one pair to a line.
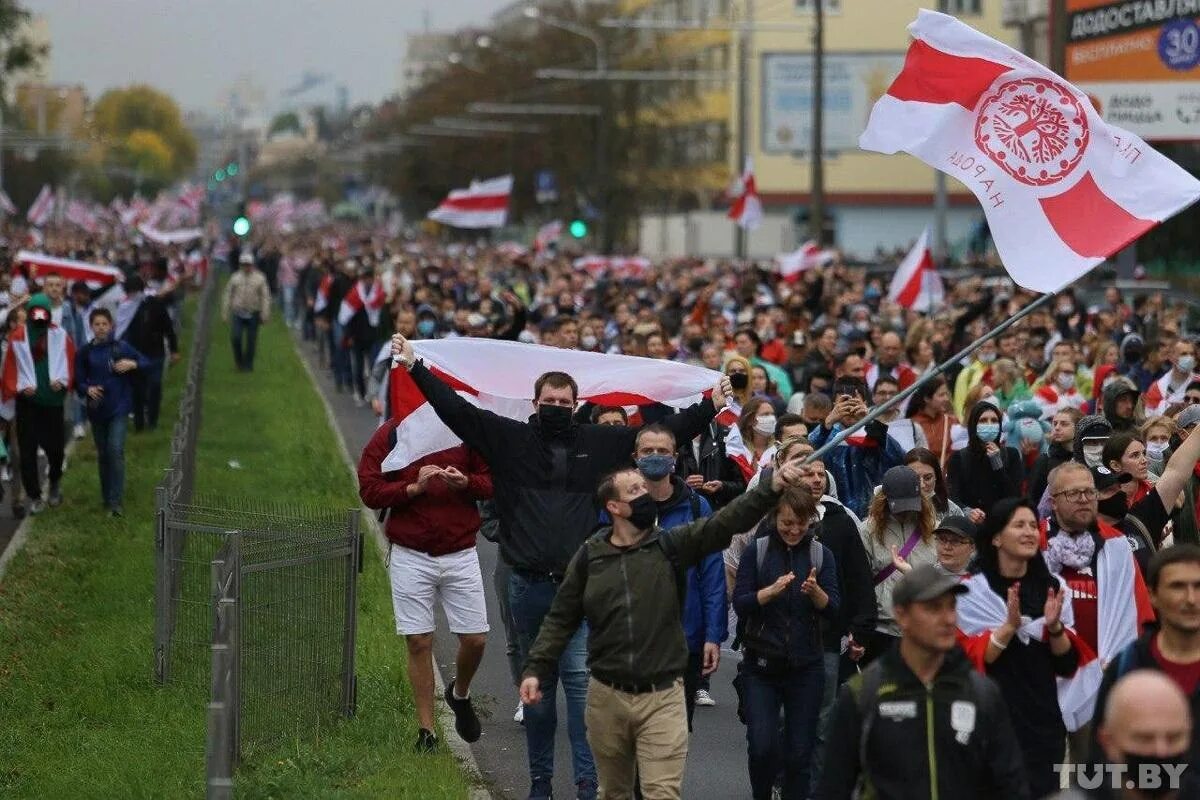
247,304
920,721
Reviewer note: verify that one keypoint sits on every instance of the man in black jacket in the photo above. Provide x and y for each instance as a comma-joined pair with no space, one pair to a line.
705,467
544,475
144,323
921,721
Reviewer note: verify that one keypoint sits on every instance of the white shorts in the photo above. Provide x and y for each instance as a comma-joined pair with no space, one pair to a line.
418,579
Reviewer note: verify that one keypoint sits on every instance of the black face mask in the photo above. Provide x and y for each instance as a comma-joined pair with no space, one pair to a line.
695,344
1154,765
1115,507
739,381
643,511
555,420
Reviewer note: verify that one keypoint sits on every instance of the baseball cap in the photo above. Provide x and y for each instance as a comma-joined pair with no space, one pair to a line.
246,257
923,583
956,525
1105,478
1188,417
902,488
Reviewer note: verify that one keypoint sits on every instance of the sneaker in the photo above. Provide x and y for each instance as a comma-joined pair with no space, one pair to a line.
6,473
585,790
426,741
541,789
55,499
79,431
519,716
37,506
359,402
466,721
116,511
703,698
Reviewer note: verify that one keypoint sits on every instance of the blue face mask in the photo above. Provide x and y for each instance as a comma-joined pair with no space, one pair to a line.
656,467
988,431
426,328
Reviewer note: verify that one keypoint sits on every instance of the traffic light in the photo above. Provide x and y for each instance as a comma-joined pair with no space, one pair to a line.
578,228
232,169
241,225
219,175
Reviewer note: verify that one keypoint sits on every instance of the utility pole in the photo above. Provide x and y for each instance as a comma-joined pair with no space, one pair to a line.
938,246
743,136
1058,36
816,205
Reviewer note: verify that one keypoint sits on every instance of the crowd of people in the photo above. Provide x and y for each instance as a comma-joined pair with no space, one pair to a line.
83,353
929,609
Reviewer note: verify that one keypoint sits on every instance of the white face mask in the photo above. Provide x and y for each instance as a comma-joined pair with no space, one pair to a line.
987,358
1066,380
764,424
1156,450
588,342
1093,454
1186,363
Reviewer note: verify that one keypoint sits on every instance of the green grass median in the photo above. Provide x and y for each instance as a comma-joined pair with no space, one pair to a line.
80,713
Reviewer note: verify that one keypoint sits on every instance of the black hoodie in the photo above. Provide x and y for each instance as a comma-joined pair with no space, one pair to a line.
973,482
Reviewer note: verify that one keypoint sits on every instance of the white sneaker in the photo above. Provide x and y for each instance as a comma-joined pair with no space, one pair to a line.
6,473
79,431
703,698
358,401
519,717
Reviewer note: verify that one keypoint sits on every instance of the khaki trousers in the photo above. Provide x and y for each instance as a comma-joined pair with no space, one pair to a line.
638,736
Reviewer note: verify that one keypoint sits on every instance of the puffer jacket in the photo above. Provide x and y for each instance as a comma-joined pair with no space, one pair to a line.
544,486
858,468
630,597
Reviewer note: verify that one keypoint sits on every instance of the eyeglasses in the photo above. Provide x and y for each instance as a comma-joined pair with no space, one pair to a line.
1078,495
1191,400
957,541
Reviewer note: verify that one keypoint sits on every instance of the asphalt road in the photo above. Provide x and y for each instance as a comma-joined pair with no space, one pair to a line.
716,765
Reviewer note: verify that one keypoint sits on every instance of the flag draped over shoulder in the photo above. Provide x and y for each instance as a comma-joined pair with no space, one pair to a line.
1062,189
499,375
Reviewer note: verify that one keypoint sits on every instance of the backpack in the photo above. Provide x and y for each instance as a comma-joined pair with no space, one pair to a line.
816,557
677,569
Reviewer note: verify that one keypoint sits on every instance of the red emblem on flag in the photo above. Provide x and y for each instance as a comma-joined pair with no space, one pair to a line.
1033,129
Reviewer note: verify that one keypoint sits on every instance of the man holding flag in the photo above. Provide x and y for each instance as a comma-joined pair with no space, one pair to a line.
544,475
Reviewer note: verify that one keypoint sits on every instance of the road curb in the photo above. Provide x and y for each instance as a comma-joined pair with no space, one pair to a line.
460,749
22,533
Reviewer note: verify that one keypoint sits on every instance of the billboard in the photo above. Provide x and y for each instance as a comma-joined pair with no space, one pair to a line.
1140,62
852,83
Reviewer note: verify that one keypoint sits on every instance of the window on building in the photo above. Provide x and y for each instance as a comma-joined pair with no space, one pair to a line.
808,6
961,7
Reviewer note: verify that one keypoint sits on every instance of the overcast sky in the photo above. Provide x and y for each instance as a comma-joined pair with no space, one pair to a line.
196,49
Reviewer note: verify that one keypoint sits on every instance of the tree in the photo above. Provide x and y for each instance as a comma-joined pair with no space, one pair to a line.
18,52
120,113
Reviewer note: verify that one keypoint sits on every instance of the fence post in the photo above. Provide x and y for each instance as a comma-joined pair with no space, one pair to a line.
221,744
349,679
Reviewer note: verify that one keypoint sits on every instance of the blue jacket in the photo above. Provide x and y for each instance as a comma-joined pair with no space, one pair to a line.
704,615
93,367
789,627
858,470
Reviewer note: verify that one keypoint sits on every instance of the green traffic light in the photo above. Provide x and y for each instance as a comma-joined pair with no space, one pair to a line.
232,169
219,175
578,229
241,226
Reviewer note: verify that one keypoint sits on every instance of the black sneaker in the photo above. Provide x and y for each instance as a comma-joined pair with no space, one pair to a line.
18,511
426,741
55,498
466,721
541,789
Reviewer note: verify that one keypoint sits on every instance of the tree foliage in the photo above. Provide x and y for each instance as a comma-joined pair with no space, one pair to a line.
18,52
155,119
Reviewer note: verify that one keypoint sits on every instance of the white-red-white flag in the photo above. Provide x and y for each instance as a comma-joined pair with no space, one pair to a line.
72,270
917,284
484,204
616,267
359,298
735,446
499,376
43,207
1062,189
808,255
547,235
6,204
747,210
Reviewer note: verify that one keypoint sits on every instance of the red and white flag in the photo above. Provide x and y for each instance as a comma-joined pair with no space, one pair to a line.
6,204
808,255
321,302
484,204
498,376
747,210
735,446
547,235
1061,189
617,267
916,284
43,207
359,298
42,263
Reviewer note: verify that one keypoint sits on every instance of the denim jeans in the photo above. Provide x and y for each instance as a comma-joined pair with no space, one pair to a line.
833,665
147,394
362,358
245,336
530,600
110,455
339,357
287,299
501,577
798,693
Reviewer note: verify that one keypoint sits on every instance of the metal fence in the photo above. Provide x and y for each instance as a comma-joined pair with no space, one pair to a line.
255,602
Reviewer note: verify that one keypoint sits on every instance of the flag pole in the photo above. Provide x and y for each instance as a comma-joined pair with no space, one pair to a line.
928,376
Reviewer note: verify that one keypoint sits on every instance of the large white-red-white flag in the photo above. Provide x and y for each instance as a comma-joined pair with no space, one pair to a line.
1061,188
916,284
43,207
499,376
484,204
808,255
359,298
747,210
72,270
615,267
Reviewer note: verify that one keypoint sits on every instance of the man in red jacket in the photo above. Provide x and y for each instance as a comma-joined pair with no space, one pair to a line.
431,527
